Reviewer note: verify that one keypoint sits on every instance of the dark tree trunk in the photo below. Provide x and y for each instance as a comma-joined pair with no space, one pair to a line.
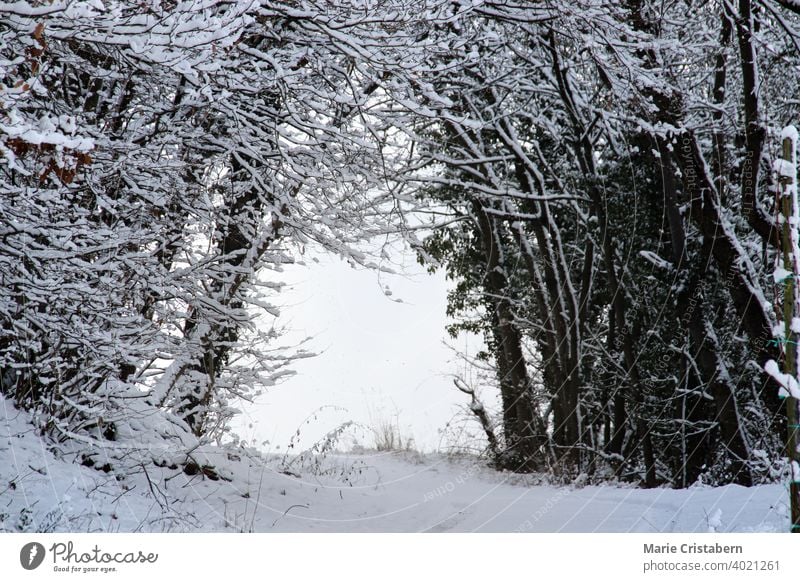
522,443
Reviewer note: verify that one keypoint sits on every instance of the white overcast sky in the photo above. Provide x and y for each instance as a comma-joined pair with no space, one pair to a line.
381,358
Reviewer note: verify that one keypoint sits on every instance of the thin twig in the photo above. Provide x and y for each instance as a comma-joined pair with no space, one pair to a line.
287,511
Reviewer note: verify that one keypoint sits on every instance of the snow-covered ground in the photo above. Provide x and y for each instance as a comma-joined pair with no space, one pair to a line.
365,492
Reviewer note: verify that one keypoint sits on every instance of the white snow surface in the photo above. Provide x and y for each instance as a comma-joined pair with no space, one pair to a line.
353,492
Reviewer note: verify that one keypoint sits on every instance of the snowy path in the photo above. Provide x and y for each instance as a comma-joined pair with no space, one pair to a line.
368,492
439,495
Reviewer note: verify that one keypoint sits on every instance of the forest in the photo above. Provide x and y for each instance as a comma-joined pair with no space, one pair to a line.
604,184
